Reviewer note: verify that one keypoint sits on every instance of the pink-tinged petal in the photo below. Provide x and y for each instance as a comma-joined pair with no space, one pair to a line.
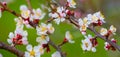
24,41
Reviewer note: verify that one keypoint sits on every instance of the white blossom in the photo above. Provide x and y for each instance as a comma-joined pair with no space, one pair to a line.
87,45
18,37
59,16
38,14
25,12
31,51
43,39
42,29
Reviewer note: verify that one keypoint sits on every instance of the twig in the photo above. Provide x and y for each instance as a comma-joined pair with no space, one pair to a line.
9,10
11,49
57,48
29,6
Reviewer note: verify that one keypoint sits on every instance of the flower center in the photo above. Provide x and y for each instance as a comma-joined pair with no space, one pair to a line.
73,2
86,44
83,27
32,53
43,37
94,18
38,14
43,29
41,49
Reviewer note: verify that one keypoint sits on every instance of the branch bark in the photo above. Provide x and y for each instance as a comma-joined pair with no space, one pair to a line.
11,49
9,10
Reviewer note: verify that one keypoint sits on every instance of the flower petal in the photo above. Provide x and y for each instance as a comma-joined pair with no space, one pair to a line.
29,47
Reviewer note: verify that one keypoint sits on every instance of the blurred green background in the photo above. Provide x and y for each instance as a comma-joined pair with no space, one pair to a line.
110,8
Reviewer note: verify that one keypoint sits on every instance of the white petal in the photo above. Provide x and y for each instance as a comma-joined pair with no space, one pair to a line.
93,49
38,10
70,41
80,22
29,47
27,54
90,36
49,25
42,16
36,48
83,47
62,19
29,26
47,38
67,34
23,7
9,41
57,21
112,28
38,39
11,35
25,33
37,54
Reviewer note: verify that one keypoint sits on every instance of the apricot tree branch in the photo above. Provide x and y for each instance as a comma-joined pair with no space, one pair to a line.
9,10
98,35
11,49
104,38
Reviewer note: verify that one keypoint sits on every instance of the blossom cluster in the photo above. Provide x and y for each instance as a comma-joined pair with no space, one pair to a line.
96,19
18,37
89,43
61,12
108,34
31,17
